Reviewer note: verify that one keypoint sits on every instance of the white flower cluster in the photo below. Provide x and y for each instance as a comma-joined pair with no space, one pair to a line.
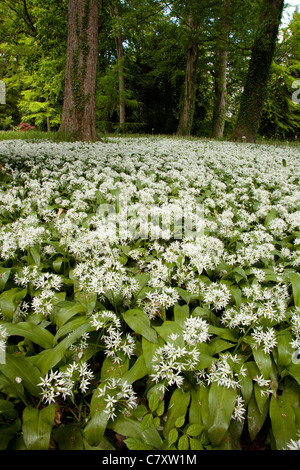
118,397
63,383
116,343
175,357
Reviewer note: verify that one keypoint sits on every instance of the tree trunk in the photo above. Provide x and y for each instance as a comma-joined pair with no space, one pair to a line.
78,114
120,55
220,76
187,113
252,100
114,12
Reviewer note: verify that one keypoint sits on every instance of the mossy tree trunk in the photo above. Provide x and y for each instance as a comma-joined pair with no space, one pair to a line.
78,114
187,113
253,96
221,59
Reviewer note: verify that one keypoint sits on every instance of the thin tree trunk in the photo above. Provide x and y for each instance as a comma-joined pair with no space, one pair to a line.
187,113
252,100
220,76
114,12
78,114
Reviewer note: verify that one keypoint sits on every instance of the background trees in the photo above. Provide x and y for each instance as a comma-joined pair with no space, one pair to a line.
162,67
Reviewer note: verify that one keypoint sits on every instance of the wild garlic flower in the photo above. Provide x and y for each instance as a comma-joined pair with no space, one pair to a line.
64,383
170,360
264,339
195,331
119,397
226,372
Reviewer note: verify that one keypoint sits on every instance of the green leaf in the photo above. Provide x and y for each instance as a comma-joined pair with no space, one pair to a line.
139,322
255,418
180,421
87,300
153,402
55,355
263,361
282,416
194,430
160,409
65,310
68,437
4,276
295,281
22,367
173,436
183,443
9,300
34,333
169,328
147,421
110,369
94,430
136,444
37,427
178,406
181,314
137,371
195,444
149,349
221,403
284,348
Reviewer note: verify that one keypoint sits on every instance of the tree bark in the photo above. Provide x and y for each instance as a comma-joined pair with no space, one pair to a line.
114,12
78,114
253,96
221,59
187,113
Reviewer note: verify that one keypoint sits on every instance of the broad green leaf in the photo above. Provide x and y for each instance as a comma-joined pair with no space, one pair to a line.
87,300
282,416
68,437
55,355
224,333
284,349
35,253
4,276
181,314
178,406
184,294
37,427
295,281
65,310
255,418
263,361
139,322
168,329
9,300
23,368
94,430
149,349
221,403
137,371
34,333
110,369
70,326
